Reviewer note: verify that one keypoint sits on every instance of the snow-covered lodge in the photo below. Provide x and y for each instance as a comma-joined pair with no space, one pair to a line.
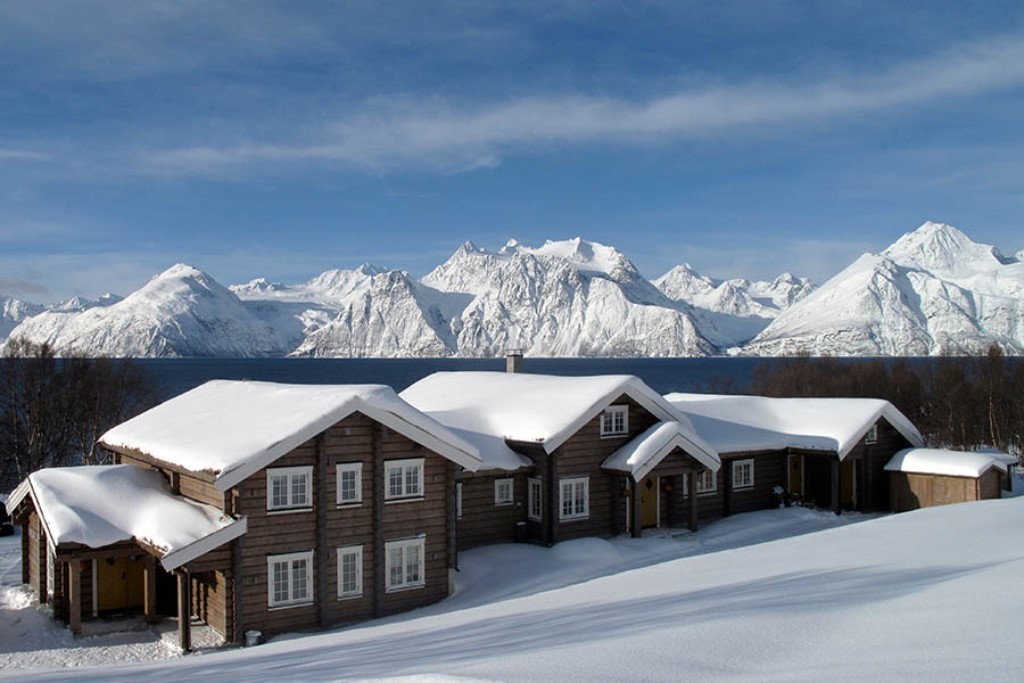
269,507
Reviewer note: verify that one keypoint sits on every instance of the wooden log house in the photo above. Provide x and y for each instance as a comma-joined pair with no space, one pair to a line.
340,500
565,457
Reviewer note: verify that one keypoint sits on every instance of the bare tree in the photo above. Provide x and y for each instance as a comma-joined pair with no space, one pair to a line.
52,410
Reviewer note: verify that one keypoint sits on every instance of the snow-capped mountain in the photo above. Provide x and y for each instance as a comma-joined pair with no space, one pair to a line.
731,312
13,311
180,312
567,298
933,290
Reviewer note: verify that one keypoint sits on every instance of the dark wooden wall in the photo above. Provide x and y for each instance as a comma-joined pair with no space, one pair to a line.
482,521
581,456
354,439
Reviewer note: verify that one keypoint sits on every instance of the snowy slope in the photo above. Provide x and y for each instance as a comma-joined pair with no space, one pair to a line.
567,298
922,596
180,312
731,312
932,290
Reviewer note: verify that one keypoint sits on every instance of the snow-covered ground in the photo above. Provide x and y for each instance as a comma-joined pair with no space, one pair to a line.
929,595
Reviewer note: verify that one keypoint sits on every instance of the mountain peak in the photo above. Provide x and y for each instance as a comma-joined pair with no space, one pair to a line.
942,247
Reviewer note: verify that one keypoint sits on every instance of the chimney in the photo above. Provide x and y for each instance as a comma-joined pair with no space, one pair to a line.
514,361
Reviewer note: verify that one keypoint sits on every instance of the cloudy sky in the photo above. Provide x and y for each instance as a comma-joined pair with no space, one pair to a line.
281,139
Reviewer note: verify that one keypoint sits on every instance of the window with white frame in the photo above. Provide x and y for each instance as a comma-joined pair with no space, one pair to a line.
534,499
405,563
742,474
290,579
458,500
350,571
503,494
289,488
404,479
872,435
350,483
707,482
574,499
615,421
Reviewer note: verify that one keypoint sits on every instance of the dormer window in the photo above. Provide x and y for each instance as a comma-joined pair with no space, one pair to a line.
615,421
872,435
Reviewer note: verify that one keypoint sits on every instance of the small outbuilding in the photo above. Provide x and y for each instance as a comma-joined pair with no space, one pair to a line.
926,477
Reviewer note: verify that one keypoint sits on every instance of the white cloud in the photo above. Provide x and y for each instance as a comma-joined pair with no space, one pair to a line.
7,154
405,133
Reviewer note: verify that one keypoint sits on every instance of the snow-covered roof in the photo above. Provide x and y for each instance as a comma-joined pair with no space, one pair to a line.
940,461
233,429
492,407
100,505
643,453
751,423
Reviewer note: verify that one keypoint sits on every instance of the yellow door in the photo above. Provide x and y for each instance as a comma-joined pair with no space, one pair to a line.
119,583
796,487
649,502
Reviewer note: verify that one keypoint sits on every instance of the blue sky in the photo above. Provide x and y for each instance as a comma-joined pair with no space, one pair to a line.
280,139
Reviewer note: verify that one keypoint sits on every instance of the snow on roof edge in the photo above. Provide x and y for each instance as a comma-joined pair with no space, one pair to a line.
654,444
200,547
943,462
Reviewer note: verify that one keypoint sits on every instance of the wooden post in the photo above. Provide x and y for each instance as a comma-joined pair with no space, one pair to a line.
379,488
25,577
691,486
75,596
637,527
149,589
184,610
553,490
320,495
727,485
836,473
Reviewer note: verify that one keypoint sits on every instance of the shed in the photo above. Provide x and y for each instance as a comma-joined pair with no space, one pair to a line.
926,477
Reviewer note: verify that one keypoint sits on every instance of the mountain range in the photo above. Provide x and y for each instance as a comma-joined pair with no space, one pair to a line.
932,290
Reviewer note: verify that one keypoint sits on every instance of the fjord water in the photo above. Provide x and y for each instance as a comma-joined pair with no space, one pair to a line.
174,376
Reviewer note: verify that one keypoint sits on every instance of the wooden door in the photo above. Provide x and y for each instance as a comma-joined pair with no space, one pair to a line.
796,487
848,477
119,584
649,502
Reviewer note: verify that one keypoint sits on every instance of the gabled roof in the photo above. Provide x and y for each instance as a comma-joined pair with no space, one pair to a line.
233,429
944,462
643,453
734,424
100,505
490,408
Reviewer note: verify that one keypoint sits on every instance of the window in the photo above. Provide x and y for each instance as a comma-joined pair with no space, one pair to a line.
405,563
350,571
534,499
574,502
707,482
503,492
404,478
290,579
289,488
458,500
872,435
742,474
615,421
350,483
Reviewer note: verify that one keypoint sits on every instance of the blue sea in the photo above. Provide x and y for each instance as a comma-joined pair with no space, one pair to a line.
174,376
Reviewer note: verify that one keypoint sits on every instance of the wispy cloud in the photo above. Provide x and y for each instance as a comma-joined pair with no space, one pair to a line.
399,133
7,154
